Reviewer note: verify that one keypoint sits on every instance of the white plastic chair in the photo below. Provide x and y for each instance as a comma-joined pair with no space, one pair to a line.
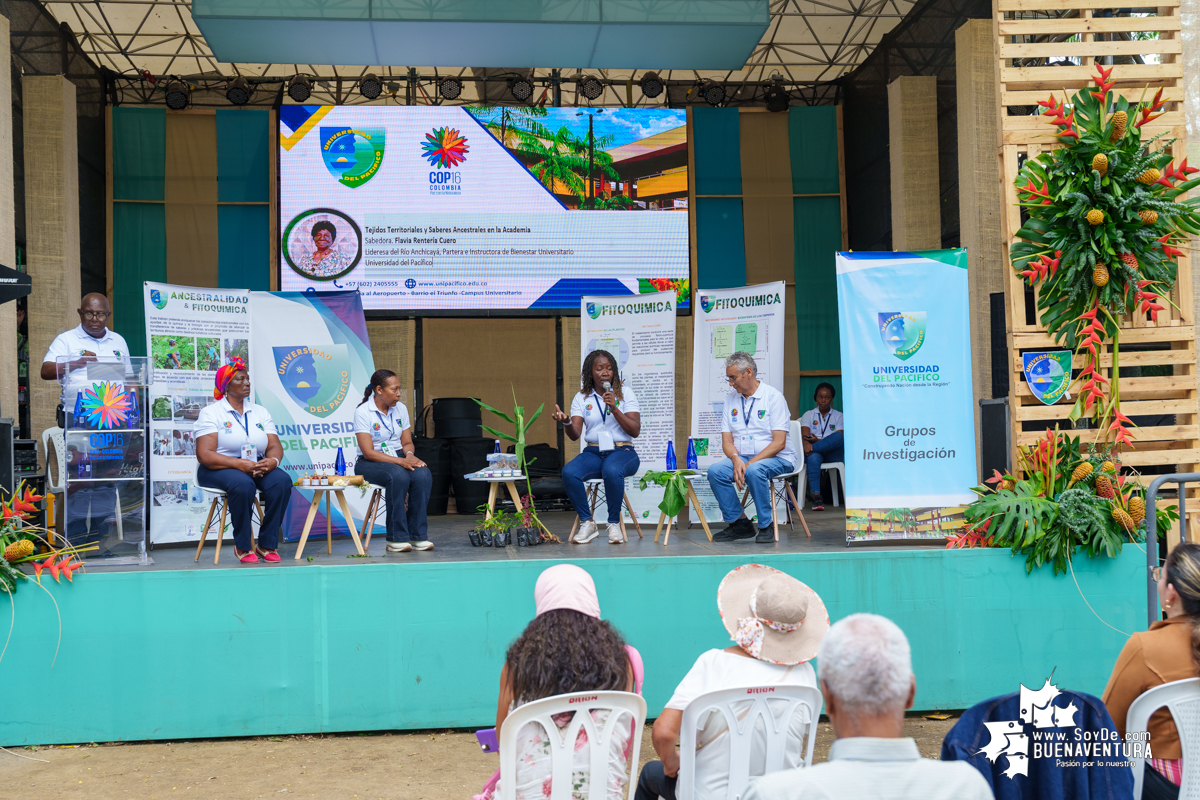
594,487
218,497
1182,699
831,466
774,705
623,705
57,437
781,490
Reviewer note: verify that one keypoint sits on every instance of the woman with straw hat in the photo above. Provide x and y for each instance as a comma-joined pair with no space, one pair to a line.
777,623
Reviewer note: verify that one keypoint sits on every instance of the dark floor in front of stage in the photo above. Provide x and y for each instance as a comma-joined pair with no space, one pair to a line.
449,535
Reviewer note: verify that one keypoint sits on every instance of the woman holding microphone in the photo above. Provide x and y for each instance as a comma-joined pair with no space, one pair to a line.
386,458
606,414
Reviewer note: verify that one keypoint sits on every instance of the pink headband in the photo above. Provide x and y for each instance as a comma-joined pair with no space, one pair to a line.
566,586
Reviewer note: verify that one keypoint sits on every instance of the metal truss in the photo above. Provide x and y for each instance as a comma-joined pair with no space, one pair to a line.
808,44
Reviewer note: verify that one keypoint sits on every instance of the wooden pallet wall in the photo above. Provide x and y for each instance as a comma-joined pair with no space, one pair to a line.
1029,33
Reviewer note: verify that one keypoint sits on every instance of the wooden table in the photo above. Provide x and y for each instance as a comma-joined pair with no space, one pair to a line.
312,514
694,502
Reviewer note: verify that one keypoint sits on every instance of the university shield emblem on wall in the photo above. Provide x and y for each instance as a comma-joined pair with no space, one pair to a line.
1048,374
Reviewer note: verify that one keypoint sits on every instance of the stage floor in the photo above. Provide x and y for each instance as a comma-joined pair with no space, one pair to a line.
449,535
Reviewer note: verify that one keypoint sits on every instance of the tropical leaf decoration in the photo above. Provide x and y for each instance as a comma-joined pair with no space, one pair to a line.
1103,230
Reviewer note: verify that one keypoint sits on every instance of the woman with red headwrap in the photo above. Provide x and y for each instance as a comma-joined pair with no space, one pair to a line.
239,453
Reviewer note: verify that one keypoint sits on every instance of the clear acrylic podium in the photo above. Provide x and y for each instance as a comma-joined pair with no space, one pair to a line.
104,502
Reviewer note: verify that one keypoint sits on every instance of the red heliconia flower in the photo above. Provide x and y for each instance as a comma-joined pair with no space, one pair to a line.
1148,111
1168,251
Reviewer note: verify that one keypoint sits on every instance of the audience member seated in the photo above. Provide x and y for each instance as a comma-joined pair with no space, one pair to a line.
867,680
1169,651
778,623
822,429
566,648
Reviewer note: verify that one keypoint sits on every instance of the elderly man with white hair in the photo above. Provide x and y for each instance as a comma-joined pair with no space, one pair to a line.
867,680
756,438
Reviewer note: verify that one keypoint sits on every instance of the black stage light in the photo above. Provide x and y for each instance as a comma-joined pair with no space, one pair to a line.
238,91
300,88
178,95
590,87
450,88
521,89
652,85
777,97
370,86
712,92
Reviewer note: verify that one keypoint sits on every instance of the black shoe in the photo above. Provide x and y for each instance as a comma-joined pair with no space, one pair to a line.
765,535
740,529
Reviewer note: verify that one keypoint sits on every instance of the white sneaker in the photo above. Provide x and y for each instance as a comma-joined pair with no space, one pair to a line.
614,533
398,547
424,544
587,532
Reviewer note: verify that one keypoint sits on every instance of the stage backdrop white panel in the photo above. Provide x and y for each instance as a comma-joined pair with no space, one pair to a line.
190,332
750,319
639,331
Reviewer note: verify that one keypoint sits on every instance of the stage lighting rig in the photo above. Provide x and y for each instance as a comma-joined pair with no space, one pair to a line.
521,89
712,92
369,86
178,95
652,85
776,96
238,91
590,86
300,88
450,88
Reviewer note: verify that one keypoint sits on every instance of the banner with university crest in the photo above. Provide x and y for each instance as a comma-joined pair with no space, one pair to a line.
310,360
906,378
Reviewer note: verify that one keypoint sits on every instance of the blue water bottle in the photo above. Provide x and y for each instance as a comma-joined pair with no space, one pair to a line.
692,462
497,450
77,415
84,466
670,456
339,464
134,419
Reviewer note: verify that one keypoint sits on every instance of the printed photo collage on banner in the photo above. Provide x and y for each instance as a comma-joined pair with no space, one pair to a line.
309,359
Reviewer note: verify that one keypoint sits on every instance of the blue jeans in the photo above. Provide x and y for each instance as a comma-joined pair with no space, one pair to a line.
276,488
829,450
758,477
614,466
401,487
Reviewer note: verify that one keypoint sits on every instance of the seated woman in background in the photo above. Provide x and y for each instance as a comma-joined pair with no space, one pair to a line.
566,648
239,453
1169,651
387,458
821,429
606,413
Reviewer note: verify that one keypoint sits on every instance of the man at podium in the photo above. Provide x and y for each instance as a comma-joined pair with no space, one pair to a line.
90,341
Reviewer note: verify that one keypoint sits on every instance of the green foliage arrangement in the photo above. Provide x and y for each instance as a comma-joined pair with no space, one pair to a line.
1104,215
521,427
675,487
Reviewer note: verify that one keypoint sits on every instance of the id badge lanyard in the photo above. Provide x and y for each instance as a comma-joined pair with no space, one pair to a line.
746,440
385,446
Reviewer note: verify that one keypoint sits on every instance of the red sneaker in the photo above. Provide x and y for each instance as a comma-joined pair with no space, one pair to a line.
817,503
269,556
245,558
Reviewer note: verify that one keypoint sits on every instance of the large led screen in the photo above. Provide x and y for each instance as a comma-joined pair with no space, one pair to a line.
483,208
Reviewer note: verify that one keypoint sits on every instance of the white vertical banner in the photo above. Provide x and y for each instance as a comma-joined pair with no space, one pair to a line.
190,333
639,331
748,319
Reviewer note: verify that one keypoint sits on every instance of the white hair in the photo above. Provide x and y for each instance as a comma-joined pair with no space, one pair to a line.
742,361
866,664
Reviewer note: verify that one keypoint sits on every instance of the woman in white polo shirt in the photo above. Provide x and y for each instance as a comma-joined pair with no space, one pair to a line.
240,453
605,412
386,458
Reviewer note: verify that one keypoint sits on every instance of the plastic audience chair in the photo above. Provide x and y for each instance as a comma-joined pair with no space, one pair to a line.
1182,699
594,487
218,498
776,717
623,705
829,466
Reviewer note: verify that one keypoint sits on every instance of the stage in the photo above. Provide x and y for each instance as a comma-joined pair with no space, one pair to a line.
416,640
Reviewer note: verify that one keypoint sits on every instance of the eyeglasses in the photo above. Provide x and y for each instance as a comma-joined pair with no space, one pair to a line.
97,315
731,380
1156,573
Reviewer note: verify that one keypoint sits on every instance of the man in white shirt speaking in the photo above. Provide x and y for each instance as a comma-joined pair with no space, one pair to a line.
756,439
90,341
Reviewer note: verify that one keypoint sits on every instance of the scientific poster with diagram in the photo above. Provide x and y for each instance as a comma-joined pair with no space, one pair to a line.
190,333
639,332
906,377
749,319
310,361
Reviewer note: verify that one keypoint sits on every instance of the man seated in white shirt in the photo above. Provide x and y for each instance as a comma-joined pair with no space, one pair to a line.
822,429
868,683
756,439
778,623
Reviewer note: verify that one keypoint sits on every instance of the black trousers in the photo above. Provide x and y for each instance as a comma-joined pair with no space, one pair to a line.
1156,787
653,784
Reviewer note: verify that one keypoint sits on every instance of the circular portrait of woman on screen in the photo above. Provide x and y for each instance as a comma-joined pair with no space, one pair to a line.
322,244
